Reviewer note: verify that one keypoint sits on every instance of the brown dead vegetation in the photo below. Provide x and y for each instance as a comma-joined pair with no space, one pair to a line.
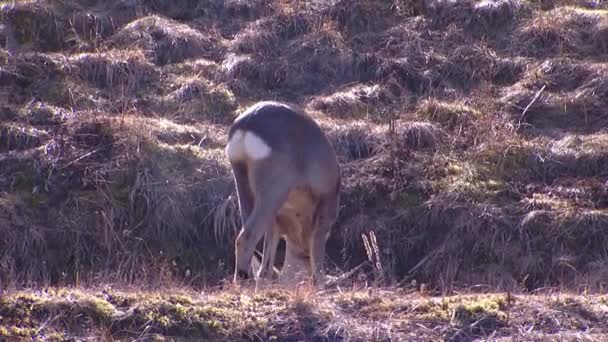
34,25
117,71
471,135
167,41
563,31
349,315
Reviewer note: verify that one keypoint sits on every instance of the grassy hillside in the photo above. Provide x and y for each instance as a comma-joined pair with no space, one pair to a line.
472,136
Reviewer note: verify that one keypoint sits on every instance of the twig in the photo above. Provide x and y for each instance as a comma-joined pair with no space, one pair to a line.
529,105
344,276
78,159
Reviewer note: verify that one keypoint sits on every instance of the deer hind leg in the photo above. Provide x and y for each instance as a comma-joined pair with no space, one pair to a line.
271,187
271,243
244,192
326,214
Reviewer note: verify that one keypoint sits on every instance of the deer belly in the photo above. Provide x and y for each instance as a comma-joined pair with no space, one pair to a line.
297,213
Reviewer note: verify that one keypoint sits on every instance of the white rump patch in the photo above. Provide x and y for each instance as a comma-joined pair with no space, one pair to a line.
244,145
255,147
234,149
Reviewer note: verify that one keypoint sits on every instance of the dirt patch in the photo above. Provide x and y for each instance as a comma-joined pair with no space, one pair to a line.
168,41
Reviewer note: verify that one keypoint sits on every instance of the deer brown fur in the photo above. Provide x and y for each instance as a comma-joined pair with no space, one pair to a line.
288,185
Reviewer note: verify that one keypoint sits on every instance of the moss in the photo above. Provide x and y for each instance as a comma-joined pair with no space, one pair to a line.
16,331
489,308
408,198
180,299
475,181
450,114
192,319
57,337
77,307
19,306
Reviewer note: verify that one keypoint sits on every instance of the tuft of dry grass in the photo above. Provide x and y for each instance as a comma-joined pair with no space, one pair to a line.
265,35
123,73
193,98
452,115
538,110
34,26
167,41
14,137
561,31
89,29
442,13
355,141
494,17
355,102
421,134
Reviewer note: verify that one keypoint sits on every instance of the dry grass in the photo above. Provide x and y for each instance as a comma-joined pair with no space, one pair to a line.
471,137
454,116
355,102
196,99
34,26
119,168
562,31
120,72
167,41
350,315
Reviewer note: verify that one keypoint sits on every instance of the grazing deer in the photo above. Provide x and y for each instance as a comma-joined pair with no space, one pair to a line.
288,185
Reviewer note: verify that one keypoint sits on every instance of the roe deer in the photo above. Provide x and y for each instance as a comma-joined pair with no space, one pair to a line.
288,185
